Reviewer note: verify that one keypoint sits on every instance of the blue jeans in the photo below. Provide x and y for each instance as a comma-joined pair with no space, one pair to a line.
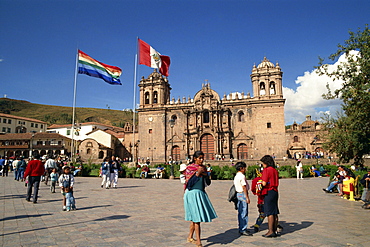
20,174
242,212
332,185
70,200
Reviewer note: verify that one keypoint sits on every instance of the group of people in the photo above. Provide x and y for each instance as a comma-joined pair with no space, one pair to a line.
109,172
35,170
318,172
198,207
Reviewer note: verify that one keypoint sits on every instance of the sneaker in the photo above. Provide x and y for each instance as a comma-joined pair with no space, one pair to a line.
246,233
64,208
74,208
101,186
68,209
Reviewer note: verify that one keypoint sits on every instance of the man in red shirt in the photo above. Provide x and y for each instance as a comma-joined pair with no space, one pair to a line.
35,169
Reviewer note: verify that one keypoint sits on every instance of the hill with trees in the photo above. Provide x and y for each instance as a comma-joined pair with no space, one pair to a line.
63,115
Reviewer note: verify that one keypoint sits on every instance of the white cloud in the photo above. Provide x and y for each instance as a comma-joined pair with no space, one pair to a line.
307,98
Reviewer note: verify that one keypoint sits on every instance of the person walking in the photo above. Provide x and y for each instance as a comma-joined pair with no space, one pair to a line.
242,187
35,169
21,167
270,183
105,173
114,167
198,207
299,169
6,167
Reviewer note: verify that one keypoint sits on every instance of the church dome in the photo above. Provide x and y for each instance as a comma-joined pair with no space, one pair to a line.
265,64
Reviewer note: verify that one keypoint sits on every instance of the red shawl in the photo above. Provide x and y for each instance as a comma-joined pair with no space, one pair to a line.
189,172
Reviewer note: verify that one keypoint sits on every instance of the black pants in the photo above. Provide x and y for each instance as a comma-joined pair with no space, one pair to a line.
5,170
33,182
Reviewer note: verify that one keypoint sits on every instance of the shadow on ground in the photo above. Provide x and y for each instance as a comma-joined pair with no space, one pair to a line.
223,238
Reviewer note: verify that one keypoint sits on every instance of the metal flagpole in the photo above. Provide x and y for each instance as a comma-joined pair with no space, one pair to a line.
134,108
74,107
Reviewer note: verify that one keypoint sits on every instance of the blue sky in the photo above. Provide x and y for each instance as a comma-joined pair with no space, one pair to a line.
216,40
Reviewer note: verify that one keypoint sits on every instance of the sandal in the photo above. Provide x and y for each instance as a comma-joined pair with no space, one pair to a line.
191,240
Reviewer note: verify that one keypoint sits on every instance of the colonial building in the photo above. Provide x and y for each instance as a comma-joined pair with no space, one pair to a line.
235,126
15,124
94,141
25,144
306,140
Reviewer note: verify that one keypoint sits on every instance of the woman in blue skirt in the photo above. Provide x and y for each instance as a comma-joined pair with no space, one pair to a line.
198,207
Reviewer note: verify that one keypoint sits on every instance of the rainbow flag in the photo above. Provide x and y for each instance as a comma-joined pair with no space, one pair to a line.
89,66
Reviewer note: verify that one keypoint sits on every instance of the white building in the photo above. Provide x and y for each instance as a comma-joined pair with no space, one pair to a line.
14,124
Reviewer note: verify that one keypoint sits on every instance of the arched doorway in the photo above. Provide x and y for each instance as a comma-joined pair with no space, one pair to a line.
176,153
207,146
242,152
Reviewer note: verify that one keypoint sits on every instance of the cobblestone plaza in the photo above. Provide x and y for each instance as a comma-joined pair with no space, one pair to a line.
149,212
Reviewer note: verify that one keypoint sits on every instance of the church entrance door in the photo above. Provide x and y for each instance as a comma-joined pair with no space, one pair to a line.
207,146
242,152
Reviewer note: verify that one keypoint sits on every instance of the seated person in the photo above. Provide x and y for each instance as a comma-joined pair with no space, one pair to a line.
144,171
322,170
77,170
365,181
317,173
159,172
336,181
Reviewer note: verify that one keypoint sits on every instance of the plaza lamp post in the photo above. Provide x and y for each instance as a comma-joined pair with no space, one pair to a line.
172,124
31,143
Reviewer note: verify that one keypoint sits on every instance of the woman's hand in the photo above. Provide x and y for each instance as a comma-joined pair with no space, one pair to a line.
202,171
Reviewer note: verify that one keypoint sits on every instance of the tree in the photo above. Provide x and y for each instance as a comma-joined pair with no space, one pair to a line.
349,131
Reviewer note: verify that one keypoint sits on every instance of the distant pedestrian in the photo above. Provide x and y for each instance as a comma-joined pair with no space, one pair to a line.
54,179
105,173
15,167
6,167
114,167
35,169
50,164
21,167
299,169
66,183
2,163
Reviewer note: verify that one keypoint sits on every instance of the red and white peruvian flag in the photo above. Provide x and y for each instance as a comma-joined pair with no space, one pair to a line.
151,58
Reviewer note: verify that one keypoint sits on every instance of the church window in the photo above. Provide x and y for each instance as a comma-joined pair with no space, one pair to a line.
317,126
295,127
155,97
206,117
150,131
89,144
241,116
88,151
146,97
272,88
68,132
262,88
269,125
101,155
295,139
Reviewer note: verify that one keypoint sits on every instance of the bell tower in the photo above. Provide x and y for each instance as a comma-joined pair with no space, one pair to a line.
267,80
154,91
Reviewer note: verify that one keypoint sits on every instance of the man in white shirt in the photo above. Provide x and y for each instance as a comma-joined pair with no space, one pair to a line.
242,187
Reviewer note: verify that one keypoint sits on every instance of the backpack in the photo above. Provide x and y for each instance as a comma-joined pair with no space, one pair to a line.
232,196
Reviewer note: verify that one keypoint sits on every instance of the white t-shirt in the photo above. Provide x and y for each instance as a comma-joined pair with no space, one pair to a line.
240,181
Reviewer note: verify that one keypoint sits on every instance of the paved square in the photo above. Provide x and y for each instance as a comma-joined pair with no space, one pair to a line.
149,212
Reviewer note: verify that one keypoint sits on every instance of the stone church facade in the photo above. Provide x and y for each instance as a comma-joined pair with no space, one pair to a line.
234,126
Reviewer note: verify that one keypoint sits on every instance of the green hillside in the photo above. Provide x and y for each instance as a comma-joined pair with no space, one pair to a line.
63,115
